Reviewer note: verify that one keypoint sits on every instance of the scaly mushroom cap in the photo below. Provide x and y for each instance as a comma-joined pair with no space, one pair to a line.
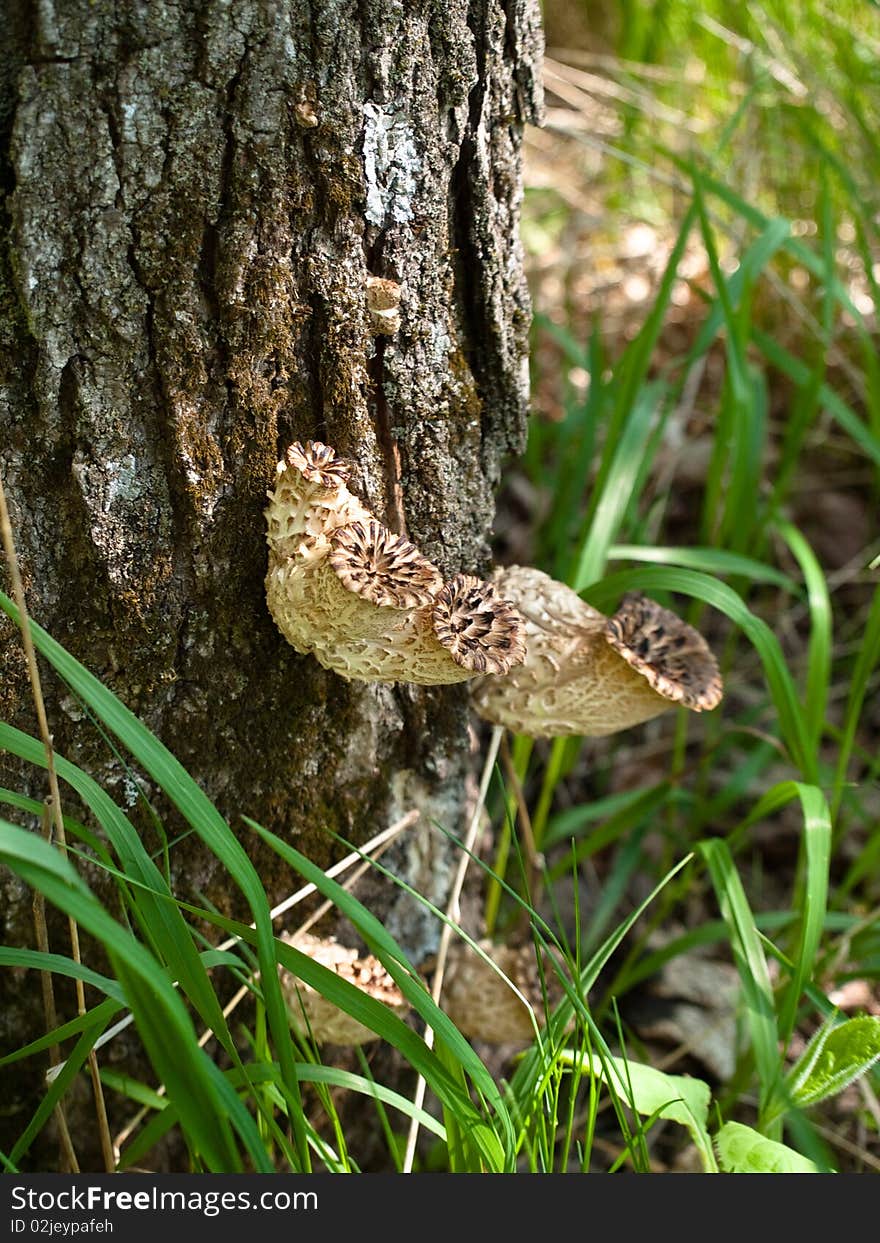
383,568
365,602
482,632
318,463
574,680
309,1011
673,657
311,498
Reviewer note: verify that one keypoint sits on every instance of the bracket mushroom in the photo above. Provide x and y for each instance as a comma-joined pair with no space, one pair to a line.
368,605
593,675
365,602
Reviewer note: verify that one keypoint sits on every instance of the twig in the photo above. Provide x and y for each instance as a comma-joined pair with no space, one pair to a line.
50,1012
371,847
452,915
54,800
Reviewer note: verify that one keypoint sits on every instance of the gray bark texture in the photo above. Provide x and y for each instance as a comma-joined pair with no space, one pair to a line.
194,196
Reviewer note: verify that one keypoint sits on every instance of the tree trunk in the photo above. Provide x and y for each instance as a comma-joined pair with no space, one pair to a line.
196,196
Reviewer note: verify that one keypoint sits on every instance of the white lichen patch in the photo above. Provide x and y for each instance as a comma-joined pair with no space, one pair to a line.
392,165
122,481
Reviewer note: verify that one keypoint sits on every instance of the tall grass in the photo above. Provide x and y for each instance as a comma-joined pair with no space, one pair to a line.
768,225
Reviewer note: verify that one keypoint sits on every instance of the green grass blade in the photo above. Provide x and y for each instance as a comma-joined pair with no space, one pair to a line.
730,501
629,403
752,262
819,646
98,1016
814,901
155,909
59,1086
59,965
707,561
201,814
799,373
750,962
192,1080
866,661
800,252
393,959
620,484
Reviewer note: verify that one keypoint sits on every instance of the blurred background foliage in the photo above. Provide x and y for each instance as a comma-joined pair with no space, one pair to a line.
701,227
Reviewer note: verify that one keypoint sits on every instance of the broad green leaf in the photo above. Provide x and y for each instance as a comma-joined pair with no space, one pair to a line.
653,1092
833,1059
742,1150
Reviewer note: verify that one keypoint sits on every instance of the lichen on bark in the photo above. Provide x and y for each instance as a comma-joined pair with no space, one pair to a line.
194,198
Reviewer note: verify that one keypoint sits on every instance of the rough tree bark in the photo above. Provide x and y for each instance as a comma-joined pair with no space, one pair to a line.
196,193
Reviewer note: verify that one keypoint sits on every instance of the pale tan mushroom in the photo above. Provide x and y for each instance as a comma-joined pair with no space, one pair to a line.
383,304
312,1014
589,674
364,601
311,499
483,1005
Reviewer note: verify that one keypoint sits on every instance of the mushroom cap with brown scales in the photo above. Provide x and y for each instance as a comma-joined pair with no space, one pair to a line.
311,1013
587,674
482,632
673,656
316,606
385,569
365,602
310,500
319,464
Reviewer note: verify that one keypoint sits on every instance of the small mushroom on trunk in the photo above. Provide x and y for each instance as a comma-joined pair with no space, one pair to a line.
591,675
312,1014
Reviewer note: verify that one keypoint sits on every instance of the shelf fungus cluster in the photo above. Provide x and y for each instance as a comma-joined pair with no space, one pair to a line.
368,605
365,602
